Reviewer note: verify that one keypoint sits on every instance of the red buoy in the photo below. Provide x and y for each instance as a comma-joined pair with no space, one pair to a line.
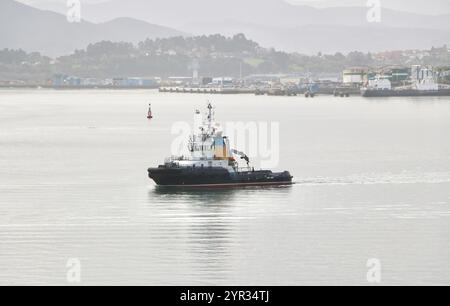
149,113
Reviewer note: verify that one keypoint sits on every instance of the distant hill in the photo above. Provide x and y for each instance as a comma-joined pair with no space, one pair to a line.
216,55
272,23
311,39
430,7
276,23
31,29
273,13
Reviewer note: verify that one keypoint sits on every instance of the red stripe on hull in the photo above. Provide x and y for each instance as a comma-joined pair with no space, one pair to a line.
232,185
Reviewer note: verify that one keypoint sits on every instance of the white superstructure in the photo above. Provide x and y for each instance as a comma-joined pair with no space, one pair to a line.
208,147
424,79
380,83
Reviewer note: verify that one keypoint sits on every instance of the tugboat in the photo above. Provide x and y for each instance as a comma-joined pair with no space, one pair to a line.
212,163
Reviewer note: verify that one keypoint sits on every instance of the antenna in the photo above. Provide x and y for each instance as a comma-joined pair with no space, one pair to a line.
210,114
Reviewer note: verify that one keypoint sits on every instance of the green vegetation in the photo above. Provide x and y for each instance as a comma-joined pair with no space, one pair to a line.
216,55
19,65
253,61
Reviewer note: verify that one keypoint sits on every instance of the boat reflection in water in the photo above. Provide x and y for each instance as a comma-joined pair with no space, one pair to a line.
210,223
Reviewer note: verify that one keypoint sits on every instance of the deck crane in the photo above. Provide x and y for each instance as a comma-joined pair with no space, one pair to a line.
242,155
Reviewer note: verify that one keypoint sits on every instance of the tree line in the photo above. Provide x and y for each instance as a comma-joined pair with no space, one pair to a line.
213,55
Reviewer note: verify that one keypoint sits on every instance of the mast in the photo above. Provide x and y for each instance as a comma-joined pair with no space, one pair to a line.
210,115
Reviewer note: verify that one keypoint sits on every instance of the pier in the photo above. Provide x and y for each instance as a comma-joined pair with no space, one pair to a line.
208,90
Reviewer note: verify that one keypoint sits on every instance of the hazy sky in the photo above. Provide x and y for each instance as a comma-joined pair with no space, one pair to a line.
326,2
37,2
415,6
310,2
58,1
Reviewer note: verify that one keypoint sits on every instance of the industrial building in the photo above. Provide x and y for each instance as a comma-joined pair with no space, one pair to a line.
355,75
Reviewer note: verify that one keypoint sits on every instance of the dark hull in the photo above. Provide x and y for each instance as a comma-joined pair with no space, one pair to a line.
405,93
215,177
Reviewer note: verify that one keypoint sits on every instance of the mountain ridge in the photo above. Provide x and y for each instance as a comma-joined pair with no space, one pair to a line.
437,7
269,12
310,31
31,29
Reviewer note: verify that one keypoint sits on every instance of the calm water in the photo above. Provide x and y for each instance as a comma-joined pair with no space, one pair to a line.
373,181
